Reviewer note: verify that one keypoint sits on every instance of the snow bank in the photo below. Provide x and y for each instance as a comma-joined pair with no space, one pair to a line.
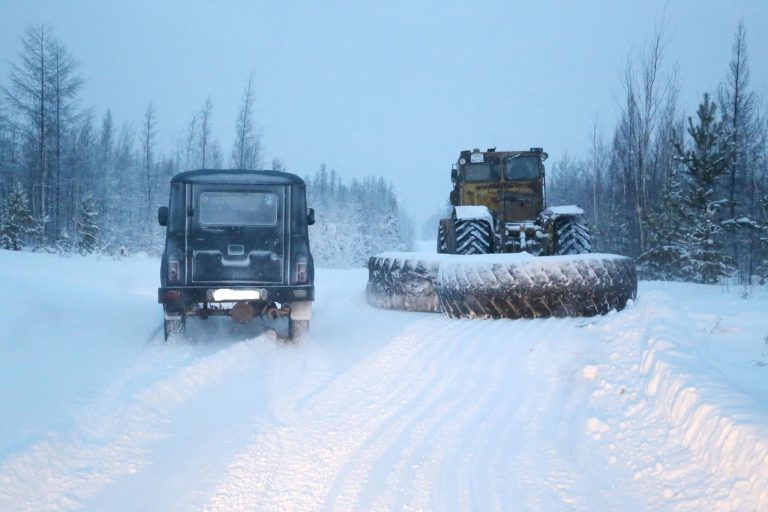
709,434
733,448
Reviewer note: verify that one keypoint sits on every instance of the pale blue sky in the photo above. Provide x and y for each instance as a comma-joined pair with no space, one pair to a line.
393,88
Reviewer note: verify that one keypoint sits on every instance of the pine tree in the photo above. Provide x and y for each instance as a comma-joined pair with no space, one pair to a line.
16,220
668,255
87,228
705,162
741,116
64,243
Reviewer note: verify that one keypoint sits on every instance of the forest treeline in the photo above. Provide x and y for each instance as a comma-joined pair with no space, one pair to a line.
72,182
355,221
686,194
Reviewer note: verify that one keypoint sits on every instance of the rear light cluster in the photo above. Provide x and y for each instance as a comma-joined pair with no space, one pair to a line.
174,275
301,269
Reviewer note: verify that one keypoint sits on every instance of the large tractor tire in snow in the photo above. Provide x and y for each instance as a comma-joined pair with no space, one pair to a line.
402,281
474,236
557,286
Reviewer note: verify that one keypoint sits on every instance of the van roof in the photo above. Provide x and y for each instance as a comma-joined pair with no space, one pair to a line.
237,176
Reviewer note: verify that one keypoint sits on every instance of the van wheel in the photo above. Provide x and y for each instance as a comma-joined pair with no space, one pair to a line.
297,329
174,328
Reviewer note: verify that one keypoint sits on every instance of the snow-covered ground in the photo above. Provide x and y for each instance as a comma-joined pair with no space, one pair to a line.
663,406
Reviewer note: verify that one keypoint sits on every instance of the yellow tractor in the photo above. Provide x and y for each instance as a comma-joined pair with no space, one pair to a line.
498,206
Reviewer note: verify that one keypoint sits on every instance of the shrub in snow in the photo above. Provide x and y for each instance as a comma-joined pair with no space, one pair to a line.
16,221
87,229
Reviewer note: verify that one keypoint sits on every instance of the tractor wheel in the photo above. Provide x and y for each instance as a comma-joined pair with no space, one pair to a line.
571,235
536,287
474,237
442,247
405,282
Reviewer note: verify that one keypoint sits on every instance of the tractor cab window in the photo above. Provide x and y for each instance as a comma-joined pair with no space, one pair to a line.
487,171
522,167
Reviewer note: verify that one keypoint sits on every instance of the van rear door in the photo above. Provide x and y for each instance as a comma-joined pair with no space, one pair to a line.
236,234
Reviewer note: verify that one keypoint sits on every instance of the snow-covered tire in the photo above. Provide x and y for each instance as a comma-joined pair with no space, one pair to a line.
402,282
537,287
474,237
571,235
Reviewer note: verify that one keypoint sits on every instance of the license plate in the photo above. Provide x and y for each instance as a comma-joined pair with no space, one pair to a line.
227,294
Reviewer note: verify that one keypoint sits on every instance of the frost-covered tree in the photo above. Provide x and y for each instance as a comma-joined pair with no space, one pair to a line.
87,225
648,90
205,140
354,222
246,151
105,160
186,154
148,141
64,242
741,117
669,255
705,161
64,87
42,92
16,221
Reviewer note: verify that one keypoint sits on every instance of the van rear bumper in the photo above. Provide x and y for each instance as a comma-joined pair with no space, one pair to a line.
180,298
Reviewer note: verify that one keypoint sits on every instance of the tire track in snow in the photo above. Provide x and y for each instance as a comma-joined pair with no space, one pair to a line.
391,453
294,466
433,472
527,470
398,430
368,464
440,479
112,436
499,452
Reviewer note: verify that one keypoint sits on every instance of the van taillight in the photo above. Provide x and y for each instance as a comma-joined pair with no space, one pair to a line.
173,271
301,269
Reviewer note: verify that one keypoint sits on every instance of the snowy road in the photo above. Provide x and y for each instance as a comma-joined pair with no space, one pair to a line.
662,406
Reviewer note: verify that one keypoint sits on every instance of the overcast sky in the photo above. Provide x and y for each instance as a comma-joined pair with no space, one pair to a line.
391,88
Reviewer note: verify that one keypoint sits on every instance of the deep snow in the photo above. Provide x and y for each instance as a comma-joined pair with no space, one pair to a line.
663,406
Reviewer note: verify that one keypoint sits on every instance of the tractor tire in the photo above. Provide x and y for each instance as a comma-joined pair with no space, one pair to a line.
474,237
402,281
571,236
536,287
442,245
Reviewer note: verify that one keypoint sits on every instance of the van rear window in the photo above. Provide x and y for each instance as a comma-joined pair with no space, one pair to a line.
238,209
